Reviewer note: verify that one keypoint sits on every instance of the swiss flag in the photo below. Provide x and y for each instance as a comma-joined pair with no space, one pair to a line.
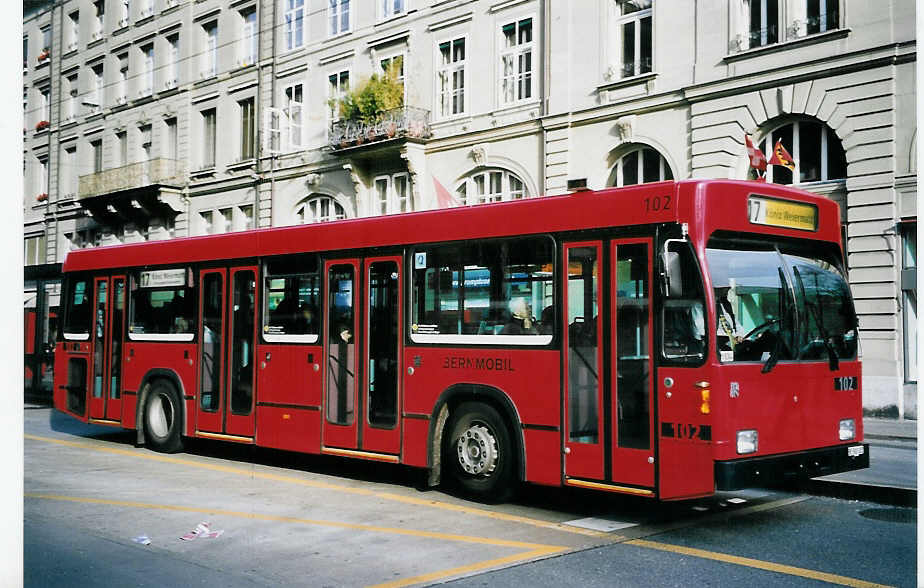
755,155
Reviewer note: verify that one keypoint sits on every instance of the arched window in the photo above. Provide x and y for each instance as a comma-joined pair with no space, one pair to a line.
814,147
318,209
490,185
640,166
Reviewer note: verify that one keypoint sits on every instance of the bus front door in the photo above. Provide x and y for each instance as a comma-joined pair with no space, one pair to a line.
227,335
105,393
607,366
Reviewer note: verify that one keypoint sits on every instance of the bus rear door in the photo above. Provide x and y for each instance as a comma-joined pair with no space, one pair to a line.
227,335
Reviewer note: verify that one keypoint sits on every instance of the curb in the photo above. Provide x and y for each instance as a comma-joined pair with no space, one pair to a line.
889,495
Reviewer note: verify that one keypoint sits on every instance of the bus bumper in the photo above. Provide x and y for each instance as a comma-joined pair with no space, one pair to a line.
776,469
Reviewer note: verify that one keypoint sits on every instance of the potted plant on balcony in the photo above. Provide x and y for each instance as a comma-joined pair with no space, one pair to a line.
41,125
45,54
362,108
42,197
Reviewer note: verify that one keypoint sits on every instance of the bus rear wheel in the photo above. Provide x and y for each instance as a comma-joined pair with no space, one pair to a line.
479,454
163,418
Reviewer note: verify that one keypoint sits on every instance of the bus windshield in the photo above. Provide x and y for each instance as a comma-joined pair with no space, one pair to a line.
776,304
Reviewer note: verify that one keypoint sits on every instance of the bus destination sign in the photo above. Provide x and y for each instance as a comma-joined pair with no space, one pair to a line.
782,213
163,278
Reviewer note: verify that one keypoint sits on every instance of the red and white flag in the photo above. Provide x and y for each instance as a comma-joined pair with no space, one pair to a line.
782,157
756,156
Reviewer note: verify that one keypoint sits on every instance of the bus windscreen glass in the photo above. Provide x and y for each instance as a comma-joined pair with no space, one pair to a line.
774,304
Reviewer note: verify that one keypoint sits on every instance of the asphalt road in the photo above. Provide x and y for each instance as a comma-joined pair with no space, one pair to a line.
310,521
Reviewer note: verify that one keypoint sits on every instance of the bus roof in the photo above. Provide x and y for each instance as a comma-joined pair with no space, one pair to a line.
683,201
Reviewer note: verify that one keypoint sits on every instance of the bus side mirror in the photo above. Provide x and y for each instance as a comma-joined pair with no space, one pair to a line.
673,275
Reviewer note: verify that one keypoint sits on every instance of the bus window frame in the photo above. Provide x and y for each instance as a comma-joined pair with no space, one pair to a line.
134,285
71,279
663,297
300,339
456,339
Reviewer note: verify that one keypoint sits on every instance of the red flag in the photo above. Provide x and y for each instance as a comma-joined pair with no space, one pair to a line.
782,157
755,155
443,198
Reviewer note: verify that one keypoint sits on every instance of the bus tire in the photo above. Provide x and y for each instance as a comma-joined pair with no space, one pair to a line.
478,453
163,418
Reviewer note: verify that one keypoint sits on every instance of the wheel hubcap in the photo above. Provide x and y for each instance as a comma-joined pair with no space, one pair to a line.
477,449
160,415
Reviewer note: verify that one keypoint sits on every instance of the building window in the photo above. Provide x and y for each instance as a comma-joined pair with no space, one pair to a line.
144,135
451,77
209,49
45,107
121,92
392,8
490,185
640,166
247,129
126,13
25,52
122,148
393,194
99,10
42,181
173,61
147,79
318,209
517,61
339,17
95,98
248,43
46,40
69,172
294,102
294,23
246,217
74,31
910,299
815,149
71,88
633,37
821,16
338,84
205,222
763,28
35,250
208,138
394,65
170,147
96,149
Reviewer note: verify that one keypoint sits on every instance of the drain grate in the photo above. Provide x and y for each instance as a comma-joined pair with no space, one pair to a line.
891,515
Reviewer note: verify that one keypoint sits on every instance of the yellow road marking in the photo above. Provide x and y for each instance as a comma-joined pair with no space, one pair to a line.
756,563
328,486
534,549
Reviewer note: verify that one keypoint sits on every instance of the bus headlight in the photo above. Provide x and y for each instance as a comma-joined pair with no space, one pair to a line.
747,441
847,429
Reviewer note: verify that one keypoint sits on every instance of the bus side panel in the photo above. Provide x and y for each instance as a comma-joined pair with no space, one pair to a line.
140,357
414,442
67,375
684,436
286,375
836,395
530,378
543,456
289,397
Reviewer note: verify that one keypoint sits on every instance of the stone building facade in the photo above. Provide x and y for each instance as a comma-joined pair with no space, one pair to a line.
155,119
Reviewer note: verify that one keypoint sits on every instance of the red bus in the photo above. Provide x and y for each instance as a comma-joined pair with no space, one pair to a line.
665,340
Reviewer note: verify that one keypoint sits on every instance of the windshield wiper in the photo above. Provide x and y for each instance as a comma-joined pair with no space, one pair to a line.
815,308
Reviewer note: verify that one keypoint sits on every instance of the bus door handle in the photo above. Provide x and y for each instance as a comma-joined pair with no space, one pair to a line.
314,365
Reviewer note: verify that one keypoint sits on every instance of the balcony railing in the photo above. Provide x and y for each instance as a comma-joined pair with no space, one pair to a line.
401,123
153,172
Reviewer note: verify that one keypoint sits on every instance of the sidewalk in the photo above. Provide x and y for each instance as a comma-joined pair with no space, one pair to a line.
877,428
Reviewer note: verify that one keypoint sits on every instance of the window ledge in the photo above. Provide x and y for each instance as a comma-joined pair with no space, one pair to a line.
823,187
96,42
787,45
626,82
205,172
514,107
242,165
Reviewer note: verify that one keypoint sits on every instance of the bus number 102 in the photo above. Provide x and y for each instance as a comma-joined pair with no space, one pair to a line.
657,203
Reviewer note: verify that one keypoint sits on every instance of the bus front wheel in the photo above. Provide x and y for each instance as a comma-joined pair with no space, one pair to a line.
163,418
479,453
